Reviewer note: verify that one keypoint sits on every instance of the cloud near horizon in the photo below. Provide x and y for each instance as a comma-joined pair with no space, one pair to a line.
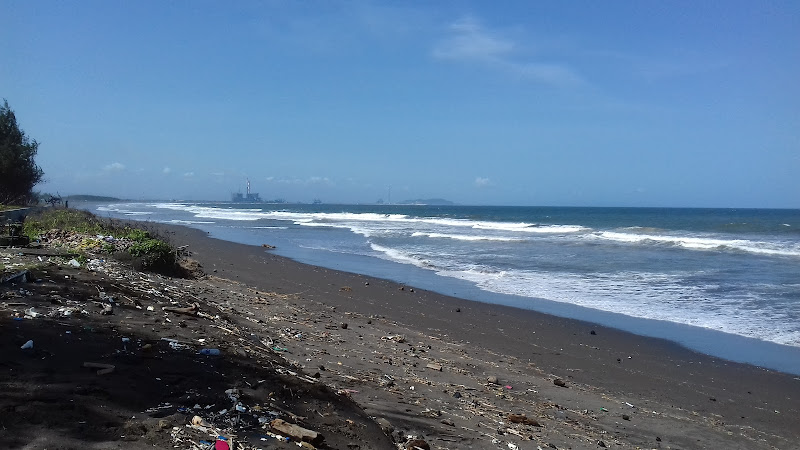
482,182
114,167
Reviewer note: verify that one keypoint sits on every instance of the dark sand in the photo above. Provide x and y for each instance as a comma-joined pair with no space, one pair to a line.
687,399
418,363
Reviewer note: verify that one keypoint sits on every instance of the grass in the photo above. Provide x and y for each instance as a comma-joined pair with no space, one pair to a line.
153,252
62,219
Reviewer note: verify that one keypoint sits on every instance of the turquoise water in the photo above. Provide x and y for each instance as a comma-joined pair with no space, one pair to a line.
722,281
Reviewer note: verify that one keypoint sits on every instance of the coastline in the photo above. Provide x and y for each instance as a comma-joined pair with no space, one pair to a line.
608,362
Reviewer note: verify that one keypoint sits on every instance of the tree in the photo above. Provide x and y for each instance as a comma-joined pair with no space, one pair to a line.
18,170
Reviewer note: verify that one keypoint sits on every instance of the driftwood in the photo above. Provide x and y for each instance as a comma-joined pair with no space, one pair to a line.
296,432
189,310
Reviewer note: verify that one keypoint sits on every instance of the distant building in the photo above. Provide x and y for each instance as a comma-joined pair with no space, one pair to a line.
249,197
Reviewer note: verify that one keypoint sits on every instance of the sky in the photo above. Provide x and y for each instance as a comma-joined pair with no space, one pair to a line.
578,103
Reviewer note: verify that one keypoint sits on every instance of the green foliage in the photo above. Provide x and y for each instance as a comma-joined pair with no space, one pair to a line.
154,253
63,219
150,247
135,234
19,173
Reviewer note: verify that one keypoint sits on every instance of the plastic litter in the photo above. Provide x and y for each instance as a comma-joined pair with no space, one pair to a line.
27,345
222,443
74,263
210,351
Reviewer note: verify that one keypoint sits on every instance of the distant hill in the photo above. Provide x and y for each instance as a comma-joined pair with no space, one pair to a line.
427,201
91,198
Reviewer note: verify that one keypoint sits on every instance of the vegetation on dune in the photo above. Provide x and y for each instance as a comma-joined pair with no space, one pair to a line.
152,252
74,220
19,173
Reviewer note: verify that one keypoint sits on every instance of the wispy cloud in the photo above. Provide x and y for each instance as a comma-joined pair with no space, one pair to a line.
482,182
114,167
468,41
166,170
188,174
302,181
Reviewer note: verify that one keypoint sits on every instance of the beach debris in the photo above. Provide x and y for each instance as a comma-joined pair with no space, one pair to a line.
103,369
191,310
200,422
343,325
210,351
74,263
385,425
523,419
346,289
601,444
626,417
492,380
267,246
27,345
593,333
434,366
222,443
417,444
19,277
559,382
295,431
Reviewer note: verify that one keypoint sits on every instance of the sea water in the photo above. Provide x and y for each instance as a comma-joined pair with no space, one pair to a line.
722,281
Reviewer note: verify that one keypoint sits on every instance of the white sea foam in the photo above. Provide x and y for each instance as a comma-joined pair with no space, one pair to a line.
401,257
189,222
122,210
638,294
704,243
466,237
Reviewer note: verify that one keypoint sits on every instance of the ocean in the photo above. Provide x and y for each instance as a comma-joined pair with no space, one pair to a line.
725,282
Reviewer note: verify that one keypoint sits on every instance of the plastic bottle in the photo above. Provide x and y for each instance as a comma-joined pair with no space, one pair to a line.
210,351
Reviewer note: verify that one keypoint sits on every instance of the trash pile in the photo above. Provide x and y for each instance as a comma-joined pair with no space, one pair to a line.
178,323
56,238
232,427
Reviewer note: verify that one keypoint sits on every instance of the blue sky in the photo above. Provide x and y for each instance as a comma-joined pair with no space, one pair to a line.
586,103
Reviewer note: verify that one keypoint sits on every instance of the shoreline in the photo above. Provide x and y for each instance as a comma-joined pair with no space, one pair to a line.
643,369
716,344
759,340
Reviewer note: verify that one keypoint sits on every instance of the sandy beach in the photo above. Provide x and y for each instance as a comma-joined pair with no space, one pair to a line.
366,362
